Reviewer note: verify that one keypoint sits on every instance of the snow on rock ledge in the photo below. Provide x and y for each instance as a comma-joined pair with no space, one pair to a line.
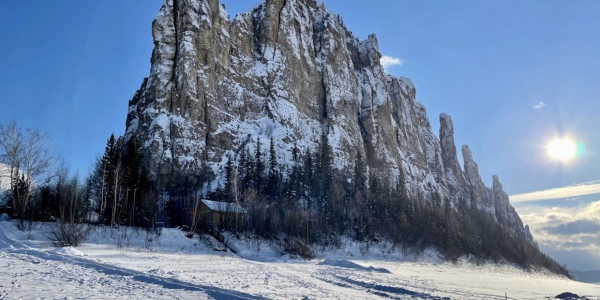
291,71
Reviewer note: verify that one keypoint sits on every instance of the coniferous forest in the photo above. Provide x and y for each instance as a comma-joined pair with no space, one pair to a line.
303,206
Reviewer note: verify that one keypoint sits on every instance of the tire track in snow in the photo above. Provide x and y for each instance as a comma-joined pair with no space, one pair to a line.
388,287
300,276
24,252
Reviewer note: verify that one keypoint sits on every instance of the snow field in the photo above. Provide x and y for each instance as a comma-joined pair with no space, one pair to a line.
124,263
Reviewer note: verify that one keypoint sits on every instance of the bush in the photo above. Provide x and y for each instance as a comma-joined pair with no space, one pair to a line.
69,234
296,246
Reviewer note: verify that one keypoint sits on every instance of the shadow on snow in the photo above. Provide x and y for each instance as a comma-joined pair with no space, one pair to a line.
13,247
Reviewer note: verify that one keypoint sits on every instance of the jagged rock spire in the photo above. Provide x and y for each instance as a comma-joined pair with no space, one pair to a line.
500,200
456,181
478,191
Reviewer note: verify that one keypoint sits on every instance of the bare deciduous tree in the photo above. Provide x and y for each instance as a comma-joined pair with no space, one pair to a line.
235,192
69,231
29,163
196,213
117,180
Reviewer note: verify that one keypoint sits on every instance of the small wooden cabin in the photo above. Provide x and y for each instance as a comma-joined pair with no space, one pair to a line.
219,213
92,217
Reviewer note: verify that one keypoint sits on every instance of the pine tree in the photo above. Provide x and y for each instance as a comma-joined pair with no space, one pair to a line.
294,184
273,173
108,175
309,180
326,167
258,166
360,174
244,169
146,201
228,179
325,183
296,154
88,196
132,165
131,180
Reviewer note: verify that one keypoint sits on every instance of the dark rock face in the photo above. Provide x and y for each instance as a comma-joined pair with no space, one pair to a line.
569,296
291,71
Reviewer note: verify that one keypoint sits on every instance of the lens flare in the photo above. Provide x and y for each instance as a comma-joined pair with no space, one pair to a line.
580,149
564,149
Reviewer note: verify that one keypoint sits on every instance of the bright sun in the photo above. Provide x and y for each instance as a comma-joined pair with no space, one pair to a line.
562,149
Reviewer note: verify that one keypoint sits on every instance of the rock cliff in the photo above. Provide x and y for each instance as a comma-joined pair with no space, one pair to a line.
290,70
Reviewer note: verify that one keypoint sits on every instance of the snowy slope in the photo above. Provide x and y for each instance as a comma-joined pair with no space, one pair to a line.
173,266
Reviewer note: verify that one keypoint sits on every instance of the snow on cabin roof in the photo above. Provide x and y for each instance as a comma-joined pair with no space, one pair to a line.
219,206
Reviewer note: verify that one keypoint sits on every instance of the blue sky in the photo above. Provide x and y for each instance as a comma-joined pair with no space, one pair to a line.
69,68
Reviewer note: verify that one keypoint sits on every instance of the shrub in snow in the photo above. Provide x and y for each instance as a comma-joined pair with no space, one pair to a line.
68,234
4,217
296,247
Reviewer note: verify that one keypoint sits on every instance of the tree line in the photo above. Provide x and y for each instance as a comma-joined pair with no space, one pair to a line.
312,202
305,203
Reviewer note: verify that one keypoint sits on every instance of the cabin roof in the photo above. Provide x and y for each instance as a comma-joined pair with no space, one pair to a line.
219,206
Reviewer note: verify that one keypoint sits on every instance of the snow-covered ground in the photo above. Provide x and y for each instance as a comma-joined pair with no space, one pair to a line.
133,264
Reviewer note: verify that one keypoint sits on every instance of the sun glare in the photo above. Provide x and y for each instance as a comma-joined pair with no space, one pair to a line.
562,149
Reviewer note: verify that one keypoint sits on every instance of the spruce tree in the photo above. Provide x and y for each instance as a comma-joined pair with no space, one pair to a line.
131,180
258,166
325,164
243,169
146,201
296,154
360,174
132,165
309,180
228,179
294,184
108,173
325,184
273,174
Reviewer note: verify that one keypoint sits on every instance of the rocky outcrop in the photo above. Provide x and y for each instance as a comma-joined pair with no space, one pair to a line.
457,184
291,71
478,192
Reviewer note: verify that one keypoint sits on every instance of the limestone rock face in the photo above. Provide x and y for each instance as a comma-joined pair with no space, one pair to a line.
289,70
457,184
479,195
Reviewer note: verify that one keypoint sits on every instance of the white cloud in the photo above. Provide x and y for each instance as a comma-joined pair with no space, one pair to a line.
565,231
587,188
539,105
388,61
